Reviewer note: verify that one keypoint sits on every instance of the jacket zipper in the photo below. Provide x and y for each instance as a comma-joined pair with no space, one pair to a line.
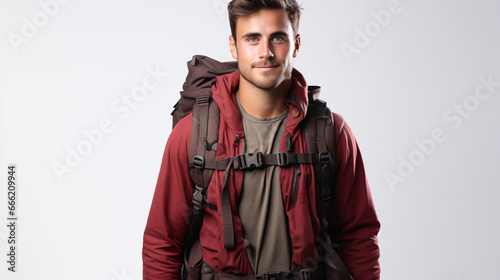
294,185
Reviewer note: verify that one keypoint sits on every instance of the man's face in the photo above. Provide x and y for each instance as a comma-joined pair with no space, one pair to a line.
265,47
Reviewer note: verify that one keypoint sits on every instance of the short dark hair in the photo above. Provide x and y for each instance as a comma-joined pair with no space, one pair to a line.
241,8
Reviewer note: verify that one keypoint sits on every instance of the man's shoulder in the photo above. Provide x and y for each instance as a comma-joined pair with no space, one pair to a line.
182,129
339,122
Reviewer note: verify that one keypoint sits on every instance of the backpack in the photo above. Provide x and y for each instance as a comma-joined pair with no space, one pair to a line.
196,97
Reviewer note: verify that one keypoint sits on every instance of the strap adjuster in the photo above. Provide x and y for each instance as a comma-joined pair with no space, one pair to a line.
197,162
325,157
204,99
286,159
250,160
326,194
199,200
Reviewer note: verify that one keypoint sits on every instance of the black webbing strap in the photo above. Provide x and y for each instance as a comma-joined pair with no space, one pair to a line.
325,192
197,161
227,213
333,259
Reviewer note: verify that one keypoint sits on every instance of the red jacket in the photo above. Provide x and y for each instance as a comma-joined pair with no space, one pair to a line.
169,217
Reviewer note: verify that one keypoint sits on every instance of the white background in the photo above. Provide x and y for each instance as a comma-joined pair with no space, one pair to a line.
439,222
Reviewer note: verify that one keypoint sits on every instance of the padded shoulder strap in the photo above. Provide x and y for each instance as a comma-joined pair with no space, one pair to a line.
203,146
321,138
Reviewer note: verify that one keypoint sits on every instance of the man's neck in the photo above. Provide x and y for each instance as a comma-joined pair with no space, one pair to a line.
262,103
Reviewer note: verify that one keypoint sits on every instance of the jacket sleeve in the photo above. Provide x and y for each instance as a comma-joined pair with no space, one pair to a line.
169,216
352,207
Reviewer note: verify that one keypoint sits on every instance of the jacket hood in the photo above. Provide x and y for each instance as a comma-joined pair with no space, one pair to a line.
225,86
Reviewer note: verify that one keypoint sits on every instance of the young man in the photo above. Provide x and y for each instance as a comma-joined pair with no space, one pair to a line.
274,225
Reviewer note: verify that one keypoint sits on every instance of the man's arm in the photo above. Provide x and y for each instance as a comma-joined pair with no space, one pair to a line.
169,216
357,224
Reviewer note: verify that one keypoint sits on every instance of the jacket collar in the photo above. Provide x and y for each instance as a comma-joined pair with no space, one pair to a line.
223,92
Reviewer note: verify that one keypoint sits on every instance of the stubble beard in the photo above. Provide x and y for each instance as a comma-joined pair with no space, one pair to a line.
263,85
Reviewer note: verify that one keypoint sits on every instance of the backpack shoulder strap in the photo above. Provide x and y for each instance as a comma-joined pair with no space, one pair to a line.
203,146
322,138
318,127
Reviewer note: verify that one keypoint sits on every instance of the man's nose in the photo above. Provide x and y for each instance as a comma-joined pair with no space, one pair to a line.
265,50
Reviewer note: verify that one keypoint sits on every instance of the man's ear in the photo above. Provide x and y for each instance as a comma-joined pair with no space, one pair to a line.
297,45
232,47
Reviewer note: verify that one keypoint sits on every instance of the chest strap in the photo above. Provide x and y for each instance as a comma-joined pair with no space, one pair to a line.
248,161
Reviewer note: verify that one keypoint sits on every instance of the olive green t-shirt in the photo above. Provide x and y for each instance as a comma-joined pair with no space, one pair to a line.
261,208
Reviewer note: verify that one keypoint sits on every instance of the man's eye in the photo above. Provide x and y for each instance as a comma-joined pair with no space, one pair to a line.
252,39
278,39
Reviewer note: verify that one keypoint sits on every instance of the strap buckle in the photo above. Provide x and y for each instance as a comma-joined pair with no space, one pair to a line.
271,275
250,160
306,274
286,159
198,199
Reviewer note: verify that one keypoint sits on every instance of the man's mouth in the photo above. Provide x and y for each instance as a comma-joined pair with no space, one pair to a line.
266,67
